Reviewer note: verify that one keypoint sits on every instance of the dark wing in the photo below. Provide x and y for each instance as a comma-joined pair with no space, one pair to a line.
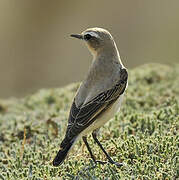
81,117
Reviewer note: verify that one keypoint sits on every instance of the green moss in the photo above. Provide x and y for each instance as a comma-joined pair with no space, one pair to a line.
144,136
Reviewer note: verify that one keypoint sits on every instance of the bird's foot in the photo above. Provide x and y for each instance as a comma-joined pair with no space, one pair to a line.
111,162
101,162
117,164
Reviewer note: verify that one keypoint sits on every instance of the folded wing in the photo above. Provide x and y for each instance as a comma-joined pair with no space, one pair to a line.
81,117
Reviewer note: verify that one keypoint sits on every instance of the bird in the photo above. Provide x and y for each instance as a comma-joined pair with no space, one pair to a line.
99,96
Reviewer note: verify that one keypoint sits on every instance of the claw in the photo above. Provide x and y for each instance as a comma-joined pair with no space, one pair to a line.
101,162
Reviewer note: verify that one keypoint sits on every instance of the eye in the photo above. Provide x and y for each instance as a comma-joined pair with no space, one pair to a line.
87,37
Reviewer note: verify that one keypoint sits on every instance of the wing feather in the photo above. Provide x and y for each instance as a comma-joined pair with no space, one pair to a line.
81,117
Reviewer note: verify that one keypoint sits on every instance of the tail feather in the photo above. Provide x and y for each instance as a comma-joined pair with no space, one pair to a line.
62,153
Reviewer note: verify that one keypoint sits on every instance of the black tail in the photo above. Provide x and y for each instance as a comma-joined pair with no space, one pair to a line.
61,155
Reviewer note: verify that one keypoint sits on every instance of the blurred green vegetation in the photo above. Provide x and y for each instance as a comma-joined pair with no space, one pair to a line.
144,136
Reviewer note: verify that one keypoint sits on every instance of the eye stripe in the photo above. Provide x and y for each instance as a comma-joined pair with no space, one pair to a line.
93,34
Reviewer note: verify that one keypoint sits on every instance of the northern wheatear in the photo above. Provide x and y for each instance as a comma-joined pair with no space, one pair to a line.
99,96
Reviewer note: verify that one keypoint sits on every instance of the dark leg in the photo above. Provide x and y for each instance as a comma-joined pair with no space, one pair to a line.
89,149
94,134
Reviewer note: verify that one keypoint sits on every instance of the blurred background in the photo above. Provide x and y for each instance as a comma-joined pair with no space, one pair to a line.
36,50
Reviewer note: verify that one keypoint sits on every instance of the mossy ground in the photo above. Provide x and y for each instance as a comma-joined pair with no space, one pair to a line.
144,136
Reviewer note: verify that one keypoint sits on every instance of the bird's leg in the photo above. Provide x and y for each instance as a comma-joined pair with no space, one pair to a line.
89,149
94,134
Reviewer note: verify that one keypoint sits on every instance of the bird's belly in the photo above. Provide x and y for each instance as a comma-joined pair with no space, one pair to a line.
106,116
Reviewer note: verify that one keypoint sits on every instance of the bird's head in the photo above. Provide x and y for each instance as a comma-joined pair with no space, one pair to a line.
97,40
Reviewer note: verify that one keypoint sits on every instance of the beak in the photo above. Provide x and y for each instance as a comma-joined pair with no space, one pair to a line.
79,36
